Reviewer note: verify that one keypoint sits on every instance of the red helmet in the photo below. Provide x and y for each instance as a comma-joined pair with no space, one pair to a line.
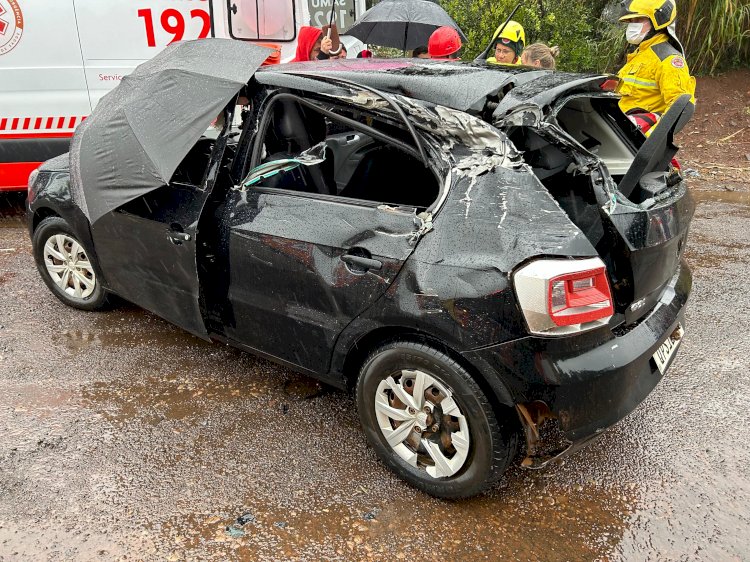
444,42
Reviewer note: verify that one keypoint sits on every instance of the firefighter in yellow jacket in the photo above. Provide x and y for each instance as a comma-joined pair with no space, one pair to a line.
507,44
656,73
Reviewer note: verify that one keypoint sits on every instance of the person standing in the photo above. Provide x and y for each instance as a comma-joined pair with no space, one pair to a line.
310,43
540,55
508,44
444,43
656,73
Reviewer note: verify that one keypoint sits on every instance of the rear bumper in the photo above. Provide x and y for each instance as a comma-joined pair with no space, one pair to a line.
589,384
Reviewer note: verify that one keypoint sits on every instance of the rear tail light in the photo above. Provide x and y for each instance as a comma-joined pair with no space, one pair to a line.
560,297
610,84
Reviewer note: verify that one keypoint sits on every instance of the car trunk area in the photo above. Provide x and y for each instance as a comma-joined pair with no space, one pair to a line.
581,154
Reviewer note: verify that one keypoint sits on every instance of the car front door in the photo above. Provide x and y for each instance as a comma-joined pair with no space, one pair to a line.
301,268
147,247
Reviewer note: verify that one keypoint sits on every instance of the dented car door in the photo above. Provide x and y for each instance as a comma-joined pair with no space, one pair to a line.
302,268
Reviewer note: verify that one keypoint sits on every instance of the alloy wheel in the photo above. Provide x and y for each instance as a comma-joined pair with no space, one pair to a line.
421,421
68,266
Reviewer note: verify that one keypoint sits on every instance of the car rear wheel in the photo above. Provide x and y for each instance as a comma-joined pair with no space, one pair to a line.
429,421
66,266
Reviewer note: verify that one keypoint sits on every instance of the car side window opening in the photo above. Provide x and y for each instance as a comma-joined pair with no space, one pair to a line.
355,165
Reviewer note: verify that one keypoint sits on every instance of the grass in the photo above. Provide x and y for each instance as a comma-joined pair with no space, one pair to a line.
715,33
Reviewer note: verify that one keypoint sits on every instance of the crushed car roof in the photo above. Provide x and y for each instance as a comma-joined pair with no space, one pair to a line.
460,85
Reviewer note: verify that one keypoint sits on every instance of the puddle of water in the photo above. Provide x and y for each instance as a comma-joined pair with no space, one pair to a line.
172,397
126,327
528,522
724,196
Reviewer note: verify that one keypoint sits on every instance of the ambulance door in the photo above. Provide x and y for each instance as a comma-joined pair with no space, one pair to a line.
118,35
43,92
262,21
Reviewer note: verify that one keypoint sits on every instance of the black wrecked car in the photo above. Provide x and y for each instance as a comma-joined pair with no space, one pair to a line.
490,258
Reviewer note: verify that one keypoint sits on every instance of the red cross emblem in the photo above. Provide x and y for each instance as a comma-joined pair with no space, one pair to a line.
3,23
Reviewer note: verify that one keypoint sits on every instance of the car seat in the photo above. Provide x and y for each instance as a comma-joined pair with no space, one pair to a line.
295,130
388,175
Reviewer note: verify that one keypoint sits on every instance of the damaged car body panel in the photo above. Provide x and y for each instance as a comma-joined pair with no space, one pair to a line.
372,206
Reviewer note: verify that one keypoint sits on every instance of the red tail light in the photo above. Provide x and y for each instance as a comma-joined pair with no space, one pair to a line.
564,296
579,298
610,85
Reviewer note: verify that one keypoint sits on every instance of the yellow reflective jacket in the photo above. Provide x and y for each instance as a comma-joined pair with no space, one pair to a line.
655,75
493,60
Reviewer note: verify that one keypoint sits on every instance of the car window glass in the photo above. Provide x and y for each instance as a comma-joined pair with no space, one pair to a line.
354,164
266,20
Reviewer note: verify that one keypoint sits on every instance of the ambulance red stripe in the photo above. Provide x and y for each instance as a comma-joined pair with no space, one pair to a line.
15,175
39,123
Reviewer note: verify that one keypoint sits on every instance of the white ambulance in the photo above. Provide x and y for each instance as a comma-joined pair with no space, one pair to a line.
59,57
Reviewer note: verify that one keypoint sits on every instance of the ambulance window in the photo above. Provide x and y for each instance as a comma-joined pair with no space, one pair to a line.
267,20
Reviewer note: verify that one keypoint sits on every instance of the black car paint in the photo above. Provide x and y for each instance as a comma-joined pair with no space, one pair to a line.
290,289
50,195
598,380
455,289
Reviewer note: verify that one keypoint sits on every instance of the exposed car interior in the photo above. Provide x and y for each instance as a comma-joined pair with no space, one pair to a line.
193,167
355,165
589,126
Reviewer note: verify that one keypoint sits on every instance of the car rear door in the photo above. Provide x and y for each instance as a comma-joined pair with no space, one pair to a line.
301,268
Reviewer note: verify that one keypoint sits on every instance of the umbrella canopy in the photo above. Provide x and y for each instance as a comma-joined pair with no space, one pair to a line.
404,24
140,132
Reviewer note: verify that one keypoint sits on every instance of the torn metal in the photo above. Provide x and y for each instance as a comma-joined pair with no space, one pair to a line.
362,98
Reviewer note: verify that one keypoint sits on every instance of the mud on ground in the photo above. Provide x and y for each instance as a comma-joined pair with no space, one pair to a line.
716,142
124,438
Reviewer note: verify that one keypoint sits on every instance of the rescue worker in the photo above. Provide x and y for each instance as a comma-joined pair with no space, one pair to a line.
656,73
310,43
508,44
444,43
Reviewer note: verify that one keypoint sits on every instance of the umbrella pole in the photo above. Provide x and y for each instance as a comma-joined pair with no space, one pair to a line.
406,37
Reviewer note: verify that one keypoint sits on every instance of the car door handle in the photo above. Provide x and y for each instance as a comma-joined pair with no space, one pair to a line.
177,238
362,262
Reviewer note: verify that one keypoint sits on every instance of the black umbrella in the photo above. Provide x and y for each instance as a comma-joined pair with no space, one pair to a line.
403,24
140,132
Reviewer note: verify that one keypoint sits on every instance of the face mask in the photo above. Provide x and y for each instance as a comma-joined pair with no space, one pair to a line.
635,33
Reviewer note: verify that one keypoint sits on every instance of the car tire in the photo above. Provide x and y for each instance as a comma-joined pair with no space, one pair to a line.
469,450
66,266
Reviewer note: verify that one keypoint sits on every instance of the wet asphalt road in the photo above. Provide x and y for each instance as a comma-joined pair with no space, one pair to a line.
122,437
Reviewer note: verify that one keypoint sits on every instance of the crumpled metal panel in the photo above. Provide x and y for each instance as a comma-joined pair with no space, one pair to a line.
459,85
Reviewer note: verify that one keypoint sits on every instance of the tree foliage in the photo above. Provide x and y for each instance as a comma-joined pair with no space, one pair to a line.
573,25
715,33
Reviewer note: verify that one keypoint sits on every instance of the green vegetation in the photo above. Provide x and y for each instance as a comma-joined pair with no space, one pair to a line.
716,33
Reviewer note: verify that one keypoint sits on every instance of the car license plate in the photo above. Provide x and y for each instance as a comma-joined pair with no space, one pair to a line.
666,350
